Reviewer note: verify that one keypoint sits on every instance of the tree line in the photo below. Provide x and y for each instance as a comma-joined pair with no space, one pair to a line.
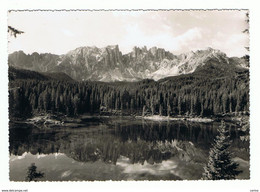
187,95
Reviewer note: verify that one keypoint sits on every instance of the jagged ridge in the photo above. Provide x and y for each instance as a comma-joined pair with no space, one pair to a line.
109,64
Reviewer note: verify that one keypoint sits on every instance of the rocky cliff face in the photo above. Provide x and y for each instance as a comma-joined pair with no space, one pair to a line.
109,64
38,62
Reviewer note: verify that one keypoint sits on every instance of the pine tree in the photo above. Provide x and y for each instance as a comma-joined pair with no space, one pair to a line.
32,174
220,164
13,32
179,105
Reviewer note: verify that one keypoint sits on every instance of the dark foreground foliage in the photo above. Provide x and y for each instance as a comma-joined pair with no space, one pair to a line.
220,165
32,174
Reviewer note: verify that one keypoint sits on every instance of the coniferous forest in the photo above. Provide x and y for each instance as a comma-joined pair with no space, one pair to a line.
189,95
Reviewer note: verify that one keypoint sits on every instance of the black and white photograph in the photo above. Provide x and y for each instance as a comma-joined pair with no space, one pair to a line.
127,95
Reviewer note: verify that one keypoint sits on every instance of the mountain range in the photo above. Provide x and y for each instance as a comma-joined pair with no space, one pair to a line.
108,64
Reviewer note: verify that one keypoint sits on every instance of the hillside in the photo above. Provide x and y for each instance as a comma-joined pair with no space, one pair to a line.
23,74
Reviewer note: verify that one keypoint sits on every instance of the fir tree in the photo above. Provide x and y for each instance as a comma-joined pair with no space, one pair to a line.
220,164
32,174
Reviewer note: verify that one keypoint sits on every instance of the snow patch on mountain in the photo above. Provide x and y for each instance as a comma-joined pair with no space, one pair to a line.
109,64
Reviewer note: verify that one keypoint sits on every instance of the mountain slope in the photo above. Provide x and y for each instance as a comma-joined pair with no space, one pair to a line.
19,74
108,64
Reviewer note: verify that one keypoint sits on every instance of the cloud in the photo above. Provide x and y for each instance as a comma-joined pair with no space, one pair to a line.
191,34
136,37
176,31
233,45
189,40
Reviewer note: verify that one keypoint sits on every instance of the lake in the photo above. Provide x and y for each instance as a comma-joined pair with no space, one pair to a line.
119,148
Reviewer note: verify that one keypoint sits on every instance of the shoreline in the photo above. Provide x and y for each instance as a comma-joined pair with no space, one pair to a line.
53,120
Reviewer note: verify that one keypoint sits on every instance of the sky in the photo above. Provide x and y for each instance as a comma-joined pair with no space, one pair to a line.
179,32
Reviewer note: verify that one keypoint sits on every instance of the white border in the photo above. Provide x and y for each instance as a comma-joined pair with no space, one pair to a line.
238,185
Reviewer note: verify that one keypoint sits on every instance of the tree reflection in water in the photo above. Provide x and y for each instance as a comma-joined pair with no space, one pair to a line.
139,141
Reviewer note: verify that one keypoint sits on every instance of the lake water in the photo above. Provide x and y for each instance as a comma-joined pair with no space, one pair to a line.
119,148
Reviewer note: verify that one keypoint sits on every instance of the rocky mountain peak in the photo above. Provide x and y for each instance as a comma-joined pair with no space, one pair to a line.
112,47
109,64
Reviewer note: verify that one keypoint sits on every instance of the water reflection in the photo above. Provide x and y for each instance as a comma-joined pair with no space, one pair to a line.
140,141
166,131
